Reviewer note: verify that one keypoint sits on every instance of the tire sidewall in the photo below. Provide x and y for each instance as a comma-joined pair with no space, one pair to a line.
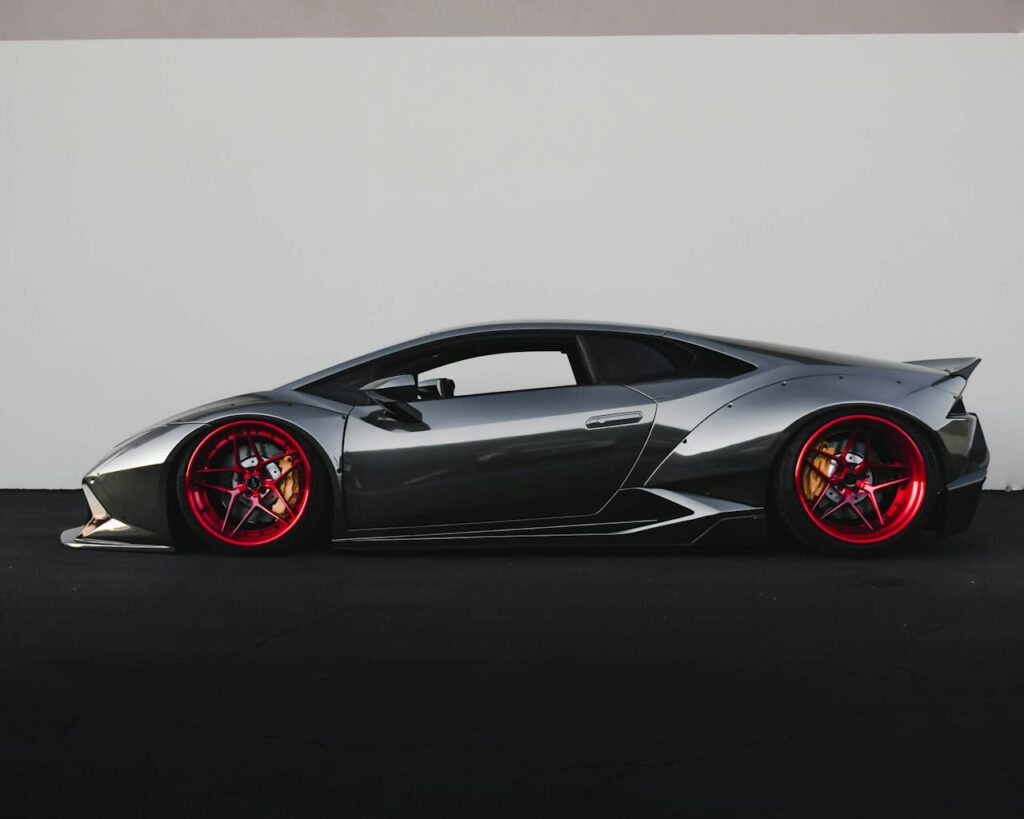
791,513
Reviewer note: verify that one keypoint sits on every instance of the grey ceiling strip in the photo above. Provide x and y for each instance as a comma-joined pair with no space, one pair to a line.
105,19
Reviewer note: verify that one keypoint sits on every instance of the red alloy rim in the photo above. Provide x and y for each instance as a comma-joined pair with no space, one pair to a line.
247,483
861,479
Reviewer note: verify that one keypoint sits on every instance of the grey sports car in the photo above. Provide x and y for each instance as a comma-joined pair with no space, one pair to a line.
556,430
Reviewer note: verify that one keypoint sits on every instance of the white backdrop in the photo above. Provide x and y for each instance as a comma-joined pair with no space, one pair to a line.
184,220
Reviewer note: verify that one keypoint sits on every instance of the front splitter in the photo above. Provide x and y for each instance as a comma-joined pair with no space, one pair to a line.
72,538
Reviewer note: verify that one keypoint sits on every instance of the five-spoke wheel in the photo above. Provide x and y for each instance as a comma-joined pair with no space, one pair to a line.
247,485
854,483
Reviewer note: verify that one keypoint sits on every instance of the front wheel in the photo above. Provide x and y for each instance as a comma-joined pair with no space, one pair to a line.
250,486
855,483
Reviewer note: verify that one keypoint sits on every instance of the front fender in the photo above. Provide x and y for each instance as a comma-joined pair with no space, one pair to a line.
133,481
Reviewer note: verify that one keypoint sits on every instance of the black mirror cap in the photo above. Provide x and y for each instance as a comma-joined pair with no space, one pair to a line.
393,388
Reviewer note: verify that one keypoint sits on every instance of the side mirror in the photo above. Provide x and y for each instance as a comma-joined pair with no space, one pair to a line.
392,393
436,388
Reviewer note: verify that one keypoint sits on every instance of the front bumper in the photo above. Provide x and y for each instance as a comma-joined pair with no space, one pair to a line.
127,494
106,532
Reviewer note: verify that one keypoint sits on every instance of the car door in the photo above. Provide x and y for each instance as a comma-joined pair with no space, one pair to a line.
504,456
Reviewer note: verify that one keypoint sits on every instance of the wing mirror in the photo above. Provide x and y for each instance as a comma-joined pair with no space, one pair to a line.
436,388
393,393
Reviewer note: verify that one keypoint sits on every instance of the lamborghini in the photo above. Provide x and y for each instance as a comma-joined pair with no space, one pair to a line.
553,431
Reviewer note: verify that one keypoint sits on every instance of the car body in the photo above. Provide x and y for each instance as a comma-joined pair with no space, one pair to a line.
664,433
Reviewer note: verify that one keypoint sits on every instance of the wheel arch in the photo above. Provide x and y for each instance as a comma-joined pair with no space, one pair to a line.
176,522
789,436
732,451
854,408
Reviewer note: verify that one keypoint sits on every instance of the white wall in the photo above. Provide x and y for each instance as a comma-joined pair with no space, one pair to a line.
183,220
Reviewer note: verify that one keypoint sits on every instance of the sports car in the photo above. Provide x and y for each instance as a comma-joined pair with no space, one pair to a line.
551,431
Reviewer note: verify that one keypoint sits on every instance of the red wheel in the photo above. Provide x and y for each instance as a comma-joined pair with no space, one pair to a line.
248,485
859,481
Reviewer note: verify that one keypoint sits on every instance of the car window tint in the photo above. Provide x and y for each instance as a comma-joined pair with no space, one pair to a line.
626,359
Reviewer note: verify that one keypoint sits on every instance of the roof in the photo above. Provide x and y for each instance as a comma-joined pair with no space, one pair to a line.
759,354
493,327
544,324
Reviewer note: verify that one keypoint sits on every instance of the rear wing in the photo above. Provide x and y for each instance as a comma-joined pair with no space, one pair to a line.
954,371
950,366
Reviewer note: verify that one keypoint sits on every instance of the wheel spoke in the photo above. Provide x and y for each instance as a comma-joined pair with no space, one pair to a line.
245,517
824,454
227,512
848,445
844,502
272,514
880,486
860,514
824,492
277,492
214,486
212,469
253,452
874,505
286,454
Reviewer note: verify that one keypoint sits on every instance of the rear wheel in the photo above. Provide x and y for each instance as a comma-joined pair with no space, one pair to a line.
250,486
856,483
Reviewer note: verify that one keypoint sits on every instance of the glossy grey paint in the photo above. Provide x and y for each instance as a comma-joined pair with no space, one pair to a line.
538,460
504,456
133,482
746,432
103,531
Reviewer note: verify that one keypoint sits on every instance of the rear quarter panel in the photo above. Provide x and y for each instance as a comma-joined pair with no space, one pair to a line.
730,450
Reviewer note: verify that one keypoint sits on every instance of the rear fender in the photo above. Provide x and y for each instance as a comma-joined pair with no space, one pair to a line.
736,445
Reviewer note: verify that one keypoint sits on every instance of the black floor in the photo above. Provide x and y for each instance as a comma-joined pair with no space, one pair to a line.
732,680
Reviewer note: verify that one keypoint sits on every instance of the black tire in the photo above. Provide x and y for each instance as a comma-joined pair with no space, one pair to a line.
310,523
795,515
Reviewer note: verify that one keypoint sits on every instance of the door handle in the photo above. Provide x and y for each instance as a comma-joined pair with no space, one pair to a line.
614,419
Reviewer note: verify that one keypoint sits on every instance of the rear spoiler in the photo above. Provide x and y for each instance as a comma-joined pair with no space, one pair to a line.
962,367
951,369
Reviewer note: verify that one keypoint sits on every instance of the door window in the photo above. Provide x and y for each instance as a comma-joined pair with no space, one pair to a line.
485,363
505,372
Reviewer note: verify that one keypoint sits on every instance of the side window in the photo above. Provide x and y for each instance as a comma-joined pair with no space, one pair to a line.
629,359
636,359
473,365
505,372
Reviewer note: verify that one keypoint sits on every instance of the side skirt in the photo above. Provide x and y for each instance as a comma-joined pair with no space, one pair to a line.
658,514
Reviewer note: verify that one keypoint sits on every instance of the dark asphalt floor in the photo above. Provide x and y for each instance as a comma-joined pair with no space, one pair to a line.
743,679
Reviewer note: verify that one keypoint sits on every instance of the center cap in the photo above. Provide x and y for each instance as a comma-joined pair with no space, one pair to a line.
851,478
253,482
